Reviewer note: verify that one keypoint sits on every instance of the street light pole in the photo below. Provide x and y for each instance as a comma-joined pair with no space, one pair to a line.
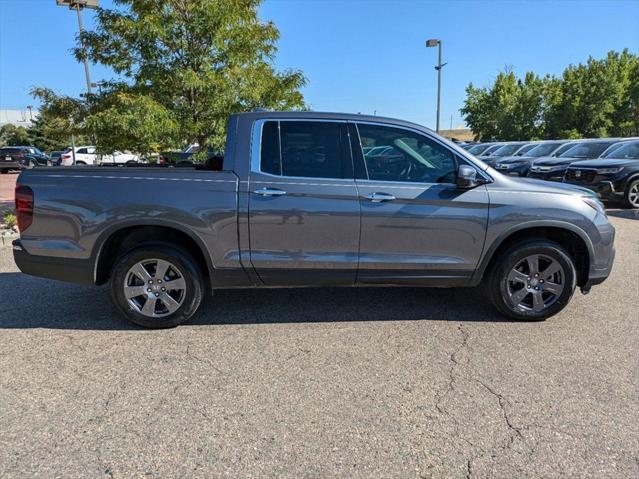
437,43
84,56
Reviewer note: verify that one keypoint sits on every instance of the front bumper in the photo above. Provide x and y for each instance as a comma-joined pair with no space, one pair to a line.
604,189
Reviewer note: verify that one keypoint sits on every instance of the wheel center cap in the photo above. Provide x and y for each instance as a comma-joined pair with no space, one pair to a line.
534,282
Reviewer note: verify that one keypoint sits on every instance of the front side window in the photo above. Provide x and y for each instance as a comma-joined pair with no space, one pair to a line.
302,148
628,151
393,154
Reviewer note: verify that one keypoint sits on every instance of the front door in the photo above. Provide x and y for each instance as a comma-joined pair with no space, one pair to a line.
304,213
417,226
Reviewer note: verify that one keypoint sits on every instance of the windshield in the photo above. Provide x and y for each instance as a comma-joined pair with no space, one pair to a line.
543,149
586,150
609,153
507,150
524,150
564,148
491,150
626,151
478,149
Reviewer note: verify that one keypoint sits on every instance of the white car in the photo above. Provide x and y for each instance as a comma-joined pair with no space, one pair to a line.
86,155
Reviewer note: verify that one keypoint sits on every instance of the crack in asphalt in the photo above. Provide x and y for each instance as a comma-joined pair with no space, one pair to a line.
439,396
502,401
202,360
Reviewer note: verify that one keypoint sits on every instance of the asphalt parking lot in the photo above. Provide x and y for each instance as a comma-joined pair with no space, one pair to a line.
396,382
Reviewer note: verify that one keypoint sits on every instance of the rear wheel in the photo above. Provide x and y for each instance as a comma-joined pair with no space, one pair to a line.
4,171
632,194
532,280
80,163
157,286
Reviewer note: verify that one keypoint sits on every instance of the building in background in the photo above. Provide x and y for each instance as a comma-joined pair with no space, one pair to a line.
18,117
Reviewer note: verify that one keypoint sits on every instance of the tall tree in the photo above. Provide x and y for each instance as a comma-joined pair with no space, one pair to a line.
14,135
198,60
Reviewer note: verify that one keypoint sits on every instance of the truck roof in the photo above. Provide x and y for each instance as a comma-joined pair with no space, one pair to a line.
329,116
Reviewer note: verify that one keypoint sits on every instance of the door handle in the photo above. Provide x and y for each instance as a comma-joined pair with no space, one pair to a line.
269,192
380,197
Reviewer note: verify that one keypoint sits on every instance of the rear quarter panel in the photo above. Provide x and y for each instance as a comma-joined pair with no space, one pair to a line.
76,209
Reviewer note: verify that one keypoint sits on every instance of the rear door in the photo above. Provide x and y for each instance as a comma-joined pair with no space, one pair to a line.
304,213
417,225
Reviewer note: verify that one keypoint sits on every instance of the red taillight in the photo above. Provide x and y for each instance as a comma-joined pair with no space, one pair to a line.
24,206
162,160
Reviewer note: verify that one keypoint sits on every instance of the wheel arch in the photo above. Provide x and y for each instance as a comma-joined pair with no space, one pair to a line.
568,235
128,235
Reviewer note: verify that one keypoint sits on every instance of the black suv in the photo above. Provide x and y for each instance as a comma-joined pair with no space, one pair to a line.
19,157
615,177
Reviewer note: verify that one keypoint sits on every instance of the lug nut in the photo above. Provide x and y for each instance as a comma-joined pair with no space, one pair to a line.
157,294
159,280
541,280
150,281
163,289
148,290
536,288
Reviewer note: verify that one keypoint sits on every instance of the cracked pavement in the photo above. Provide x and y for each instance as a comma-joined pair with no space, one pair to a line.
393,382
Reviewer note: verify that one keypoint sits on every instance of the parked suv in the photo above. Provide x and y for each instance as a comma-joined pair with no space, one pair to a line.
19,157
519,164
88,155
506,149
553,168
313,199
615,177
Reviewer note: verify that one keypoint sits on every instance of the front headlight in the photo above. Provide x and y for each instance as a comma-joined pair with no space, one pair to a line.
609,171
595,204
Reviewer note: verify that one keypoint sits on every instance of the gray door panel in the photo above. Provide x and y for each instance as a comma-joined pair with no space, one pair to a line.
431,231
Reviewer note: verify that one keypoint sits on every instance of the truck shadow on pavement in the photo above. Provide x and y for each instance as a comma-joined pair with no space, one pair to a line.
41,303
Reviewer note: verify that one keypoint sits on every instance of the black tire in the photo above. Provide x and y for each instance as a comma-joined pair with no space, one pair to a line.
631,189
498,287
4,171
80,163
178,258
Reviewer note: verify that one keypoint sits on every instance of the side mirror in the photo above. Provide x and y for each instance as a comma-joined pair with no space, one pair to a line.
466,177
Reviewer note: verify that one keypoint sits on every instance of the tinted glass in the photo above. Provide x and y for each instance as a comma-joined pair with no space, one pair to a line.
478,149
524,150
270,150
392,154
302,148
543,149
506,150
610,151
82,151
310,149
628,151
490,150
586,150
564,148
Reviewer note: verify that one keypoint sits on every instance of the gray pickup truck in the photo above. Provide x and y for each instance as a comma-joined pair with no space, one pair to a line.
313,199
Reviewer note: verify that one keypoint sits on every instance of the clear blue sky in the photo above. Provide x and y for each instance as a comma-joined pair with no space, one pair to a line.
358,55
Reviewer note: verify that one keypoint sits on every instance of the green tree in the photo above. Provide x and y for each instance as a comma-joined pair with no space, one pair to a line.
510,109
14,135
198,60
60,117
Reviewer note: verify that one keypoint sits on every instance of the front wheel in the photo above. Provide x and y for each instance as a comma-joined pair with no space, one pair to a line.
157,286
632,194
532,280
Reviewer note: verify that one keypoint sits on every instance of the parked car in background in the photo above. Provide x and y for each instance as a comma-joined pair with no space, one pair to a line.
19,157
56,157
615,177
87,155
519,164
479,148
505,149
179,157
553,168
319,210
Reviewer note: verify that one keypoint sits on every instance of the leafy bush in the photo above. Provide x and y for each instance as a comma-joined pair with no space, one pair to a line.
9,219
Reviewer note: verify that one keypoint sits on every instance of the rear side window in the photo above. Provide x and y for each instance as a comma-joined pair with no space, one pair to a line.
309,149
82,151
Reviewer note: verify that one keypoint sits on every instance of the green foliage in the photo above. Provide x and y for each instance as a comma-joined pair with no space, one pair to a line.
188,64
125,121
9,220
598,99
14,135
60,116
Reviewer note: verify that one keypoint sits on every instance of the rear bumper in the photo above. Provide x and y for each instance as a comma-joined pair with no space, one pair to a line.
11,165
64,269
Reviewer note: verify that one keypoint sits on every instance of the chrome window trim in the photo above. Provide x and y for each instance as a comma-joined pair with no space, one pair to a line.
256,149
480,171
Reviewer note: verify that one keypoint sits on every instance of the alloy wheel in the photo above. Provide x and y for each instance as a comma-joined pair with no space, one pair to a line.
633,195
535,283
154,288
